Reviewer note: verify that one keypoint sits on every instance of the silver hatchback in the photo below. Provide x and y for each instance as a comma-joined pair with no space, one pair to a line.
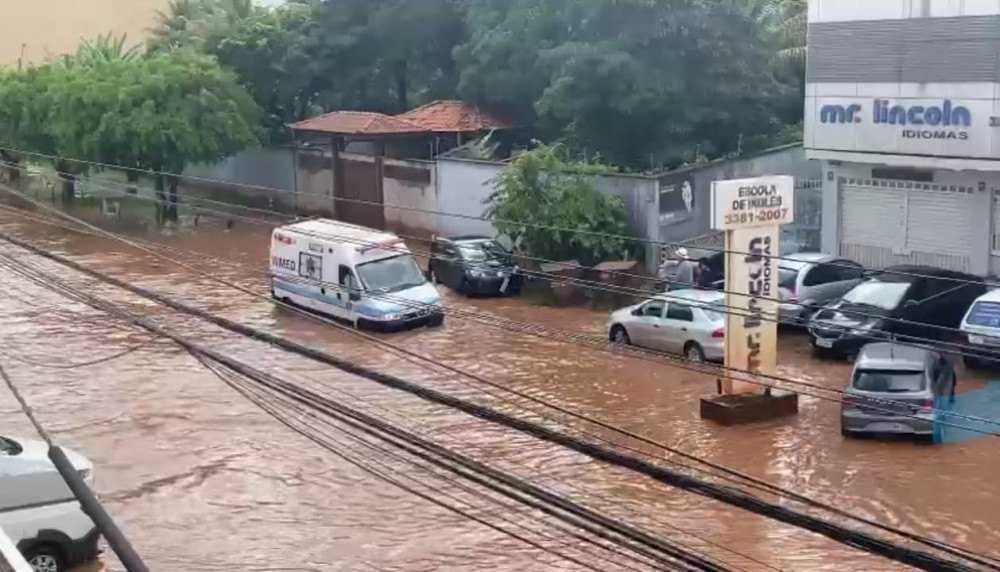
897,389
687,322
808,281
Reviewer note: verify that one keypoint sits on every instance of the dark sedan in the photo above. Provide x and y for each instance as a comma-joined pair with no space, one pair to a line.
908,303
473,265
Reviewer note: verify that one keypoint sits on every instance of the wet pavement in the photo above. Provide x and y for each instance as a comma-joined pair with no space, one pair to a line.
201,479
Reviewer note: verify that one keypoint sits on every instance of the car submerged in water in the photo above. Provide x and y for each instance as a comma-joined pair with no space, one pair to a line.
897,389
907,303
691,323
473,265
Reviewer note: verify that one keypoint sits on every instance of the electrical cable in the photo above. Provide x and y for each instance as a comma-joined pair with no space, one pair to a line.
436,212
874,333
266,402
53,283
936,543
868,400
851,537
874,524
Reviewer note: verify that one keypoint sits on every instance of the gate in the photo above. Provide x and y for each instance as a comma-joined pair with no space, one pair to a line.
358,194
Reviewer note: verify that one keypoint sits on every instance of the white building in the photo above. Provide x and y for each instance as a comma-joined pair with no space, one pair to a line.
903,109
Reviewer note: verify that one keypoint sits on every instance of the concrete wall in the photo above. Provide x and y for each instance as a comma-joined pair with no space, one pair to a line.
680,226
271,168
314,182
260,178
463,187
411,185
641,203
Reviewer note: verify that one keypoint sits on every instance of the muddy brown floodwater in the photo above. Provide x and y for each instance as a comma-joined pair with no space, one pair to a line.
202,480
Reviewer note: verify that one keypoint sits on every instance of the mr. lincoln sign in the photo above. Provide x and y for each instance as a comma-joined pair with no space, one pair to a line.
751,211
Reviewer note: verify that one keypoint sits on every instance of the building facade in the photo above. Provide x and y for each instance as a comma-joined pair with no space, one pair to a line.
37,31
903,109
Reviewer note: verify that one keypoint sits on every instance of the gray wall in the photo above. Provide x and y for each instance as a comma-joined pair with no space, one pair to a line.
788,160
464,187
271,168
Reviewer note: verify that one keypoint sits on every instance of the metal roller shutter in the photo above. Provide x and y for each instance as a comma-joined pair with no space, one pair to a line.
899,222
872,223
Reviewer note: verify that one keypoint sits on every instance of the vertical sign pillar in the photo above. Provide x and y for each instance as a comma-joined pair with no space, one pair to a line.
751,212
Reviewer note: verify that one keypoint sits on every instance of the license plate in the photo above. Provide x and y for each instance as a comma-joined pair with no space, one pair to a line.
824,343
505,284
978,340
890,427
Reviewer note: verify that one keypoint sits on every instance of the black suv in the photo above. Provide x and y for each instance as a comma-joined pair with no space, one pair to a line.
473,265
908,303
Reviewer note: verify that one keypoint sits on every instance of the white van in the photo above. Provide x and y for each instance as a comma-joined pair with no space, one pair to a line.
353,273
38,512
981,325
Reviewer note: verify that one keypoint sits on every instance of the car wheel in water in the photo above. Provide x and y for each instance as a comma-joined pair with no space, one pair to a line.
694,353
45,558
620,336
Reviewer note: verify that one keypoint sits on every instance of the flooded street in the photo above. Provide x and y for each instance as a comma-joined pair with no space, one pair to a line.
201,479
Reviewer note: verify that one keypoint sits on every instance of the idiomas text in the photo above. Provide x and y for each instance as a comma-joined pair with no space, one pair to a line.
945,121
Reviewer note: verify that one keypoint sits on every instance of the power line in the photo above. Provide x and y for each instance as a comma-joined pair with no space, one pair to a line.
937,544
361,420
637,293
878,334
784,514
907,340
449,214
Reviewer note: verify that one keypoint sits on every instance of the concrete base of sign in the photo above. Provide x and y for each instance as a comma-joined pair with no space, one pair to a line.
748,408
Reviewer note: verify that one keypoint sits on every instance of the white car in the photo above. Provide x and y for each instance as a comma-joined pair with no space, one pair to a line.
981,325
38,512
687,322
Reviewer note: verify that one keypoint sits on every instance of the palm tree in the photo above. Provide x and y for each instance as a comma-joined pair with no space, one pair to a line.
105,49
190,22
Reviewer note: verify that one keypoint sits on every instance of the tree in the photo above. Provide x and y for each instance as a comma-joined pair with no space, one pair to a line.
158,113
632,80
549,208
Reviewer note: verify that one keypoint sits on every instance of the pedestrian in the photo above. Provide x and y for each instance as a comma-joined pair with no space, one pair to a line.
678,272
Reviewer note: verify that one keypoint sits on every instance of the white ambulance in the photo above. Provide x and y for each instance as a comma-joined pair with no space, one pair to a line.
366,277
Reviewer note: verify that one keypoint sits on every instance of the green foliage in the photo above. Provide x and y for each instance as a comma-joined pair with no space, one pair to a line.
103,49
569,218
160,112
643,83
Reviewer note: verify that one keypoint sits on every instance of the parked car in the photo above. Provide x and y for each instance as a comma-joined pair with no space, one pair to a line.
981,326
687,322
38,511
808,281
909,303
897,389
473,265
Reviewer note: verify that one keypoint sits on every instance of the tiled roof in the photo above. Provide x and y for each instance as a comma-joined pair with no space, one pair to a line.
452,116
358,123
